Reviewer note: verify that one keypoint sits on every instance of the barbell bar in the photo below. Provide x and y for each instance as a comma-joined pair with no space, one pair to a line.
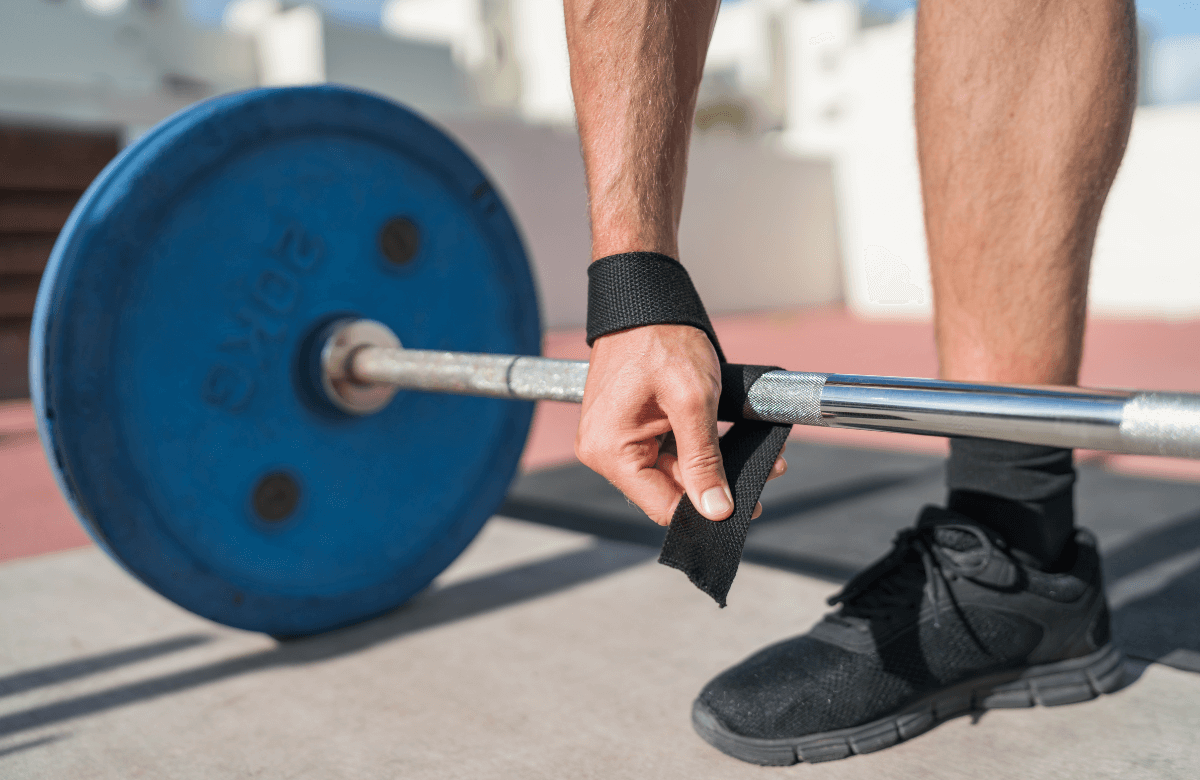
364,359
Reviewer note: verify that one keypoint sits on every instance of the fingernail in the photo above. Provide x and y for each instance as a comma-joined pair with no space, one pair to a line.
716,501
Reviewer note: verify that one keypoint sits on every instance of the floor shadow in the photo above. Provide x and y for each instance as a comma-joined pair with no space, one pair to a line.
1165,541
650,535
1134,669
33,743
809,565
791,506
83,667
1164,626
432,608
1155,591
575,499
559,513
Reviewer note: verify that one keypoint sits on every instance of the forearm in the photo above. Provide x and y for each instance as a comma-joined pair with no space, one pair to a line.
635,71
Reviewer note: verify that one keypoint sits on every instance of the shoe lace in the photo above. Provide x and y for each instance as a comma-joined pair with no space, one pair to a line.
913,567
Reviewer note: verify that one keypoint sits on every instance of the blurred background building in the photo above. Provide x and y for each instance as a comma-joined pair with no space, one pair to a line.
803,180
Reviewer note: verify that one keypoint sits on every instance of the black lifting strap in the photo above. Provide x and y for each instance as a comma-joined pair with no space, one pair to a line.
644,288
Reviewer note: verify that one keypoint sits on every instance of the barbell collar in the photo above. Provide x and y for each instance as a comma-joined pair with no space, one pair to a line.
1133,422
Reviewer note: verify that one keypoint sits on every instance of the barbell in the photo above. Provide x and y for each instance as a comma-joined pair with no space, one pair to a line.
362,364
285,350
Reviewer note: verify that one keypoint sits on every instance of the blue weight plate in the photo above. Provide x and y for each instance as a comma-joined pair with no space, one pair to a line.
169,345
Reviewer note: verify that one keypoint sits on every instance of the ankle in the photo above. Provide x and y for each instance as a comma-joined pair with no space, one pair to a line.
1023,492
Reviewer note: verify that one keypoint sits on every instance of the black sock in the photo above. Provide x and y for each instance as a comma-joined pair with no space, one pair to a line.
1024,492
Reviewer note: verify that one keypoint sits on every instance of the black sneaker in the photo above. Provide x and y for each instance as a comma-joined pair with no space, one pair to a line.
947,623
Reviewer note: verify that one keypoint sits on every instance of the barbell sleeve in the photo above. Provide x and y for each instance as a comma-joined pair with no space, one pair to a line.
1134,422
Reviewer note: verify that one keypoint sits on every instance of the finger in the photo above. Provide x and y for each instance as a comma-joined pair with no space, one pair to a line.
668,463
778,469
632,470
703,472
654,492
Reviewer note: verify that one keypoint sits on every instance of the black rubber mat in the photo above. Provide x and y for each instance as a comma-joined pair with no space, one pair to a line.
837,508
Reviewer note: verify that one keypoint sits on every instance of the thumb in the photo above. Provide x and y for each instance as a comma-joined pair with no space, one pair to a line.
701,466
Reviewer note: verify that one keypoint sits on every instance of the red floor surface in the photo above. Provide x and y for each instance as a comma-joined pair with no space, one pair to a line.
34,519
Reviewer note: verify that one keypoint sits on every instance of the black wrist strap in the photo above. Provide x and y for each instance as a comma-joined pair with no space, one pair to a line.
645,288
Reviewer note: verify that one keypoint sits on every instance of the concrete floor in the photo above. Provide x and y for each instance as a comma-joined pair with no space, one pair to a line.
540,653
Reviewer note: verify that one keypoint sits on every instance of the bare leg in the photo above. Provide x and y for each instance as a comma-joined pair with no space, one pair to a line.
1023,111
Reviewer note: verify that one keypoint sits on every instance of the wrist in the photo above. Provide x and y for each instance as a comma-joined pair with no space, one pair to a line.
628,290
633,236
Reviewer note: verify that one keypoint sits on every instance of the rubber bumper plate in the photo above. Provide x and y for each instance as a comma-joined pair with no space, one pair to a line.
170,344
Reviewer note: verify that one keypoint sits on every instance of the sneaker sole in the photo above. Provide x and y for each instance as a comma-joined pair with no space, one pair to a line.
1050,685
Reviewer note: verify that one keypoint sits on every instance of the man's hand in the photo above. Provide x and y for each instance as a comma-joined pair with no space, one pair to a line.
643,383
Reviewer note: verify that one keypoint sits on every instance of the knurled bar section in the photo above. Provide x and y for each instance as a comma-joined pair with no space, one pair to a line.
787,396
1162,424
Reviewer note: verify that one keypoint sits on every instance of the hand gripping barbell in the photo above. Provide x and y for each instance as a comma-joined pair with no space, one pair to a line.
231,313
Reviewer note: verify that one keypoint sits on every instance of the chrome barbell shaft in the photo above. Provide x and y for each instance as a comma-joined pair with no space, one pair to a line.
1134,422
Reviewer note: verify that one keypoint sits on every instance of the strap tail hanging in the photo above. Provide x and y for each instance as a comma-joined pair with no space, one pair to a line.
709,552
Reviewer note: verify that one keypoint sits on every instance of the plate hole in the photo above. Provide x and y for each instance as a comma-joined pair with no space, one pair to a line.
399,240
276,496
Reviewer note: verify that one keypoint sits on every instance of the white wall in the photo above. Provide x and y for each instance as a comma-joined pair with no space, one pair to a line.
479,34
63,63
539,172
748,52
878,185
540,46
458,24
423,76
290,44
1147,259
758,229
817,37
419,65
